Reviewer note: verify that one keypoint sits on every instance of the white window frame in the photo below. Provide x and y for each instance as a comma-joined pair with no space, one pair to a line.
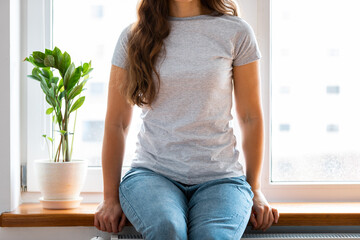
257,13
38,27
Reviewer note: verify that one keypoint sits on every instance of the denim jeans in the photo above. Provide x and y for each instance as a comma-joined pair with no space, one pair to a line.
161,208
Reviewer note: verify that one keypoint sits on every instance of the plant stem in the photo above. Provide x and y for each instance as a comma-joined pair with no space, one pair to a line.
66,138
52,143
47,144
72,140
58,151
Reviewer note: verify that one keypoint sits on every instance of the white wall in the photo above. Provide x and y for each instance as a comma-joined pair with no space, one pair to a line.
56,233
9,104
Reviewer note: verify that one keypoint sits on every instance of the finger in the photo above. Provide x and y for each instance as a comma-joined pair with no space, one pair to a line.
276,215
96,222
122,222
102,225
114,224
259,218
270,220
108,225
265,218
253,220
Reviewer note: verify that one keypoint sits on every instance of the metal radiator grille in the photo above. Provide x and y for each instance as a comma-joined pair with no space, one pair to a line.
272,236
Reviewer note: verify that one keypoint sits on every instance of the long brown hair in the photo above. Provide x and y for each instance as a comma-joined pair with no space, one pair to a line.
145,43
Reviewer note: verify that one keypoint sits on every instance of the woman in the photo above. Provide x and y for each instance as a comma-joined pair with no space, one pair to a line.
177,63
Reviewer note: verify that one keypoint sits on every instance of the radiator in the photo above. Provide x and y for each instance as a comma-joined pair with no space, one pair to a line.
272,236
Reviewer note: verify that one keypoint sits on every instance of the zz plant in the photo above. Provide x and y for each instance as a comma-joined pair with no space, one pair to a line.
62,95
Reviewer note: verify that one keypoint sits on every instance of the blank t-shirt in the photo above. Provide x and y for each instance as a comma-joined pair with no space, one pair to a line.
187,136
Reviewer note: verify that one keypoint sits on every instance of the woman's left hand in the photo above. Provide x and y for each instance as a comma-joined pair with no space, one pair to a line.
263,215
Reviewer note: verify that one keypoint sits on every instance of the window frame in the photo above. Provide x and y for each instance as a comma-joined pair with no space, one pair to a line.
257,13
38,34
288,191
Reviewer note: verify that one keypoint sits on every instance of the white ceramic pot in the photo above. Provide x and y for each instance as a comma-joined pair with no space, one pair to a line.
60,183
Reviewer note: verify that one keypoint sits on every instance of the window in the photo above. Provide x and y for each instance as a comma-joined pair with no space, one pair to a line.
310,135
101,23
84,35
315,47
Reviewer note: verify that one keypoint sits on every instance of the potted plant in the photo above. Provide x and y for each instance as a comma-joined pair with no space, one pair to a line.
60,177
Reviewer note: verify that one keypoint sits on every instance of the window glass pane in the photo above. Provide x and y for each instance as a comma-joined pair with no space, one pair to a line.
88,30
315,85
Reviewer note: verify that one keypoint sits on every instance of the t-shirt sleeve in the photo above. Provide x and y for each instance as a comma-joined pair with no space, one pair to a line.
246,48
120,52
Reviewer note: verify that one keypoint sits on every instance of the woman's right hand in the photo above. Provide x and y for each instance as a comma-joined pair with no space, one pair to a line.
109,216
263,215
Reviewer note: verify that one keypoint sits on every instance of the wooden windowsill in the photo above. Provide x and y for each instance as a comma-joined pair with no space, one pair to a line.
291,214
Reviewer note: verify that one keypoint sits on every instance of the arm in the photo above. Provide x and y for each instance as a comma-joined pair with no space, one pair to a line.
117,123
249,112
250,117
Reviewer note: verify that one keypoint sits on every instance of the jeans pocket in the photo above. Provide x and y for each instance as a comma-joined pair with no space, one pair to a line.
131,170
133,175
245,184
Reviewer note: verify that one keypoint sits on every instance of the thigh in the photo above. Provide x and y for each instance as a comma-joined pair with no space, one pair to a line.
220,209
153,204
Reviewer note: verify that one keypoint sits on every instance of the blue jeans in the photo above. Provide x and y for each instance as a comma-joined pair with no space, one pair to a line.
161,208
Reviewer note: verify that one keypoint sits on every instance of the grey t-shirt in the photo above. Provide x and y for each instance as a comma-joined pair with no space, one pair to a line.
187,136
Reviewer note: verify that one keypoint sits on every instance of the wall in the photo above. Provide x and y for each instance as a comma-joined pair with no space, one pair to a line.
9,104
55,233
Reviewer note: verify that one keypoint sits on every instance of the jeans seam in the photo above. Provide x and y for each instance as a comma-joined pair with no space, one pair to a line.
132,208
237,229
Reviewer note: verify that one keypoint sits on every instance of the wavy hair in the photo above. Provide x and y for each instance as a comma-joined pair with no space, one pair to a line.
145,43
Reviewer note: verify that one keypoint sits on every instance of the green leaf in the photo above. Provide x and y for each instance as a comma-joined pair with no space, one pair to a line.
59,117
47,73
33,77
87,72
58,56
36,71
32,60
48,100
62,94
68,74
83,82
60,86
75,91
49,110
38,74
44,135
49,61
77,104
74,79
38,56
66,61
62,132
85,67
50,139
53,86
45,88
55,80
48,52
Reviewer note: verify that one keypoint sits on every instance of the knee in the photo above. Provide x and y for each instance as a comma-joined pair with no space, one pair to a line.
167,227
208,234
217,230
